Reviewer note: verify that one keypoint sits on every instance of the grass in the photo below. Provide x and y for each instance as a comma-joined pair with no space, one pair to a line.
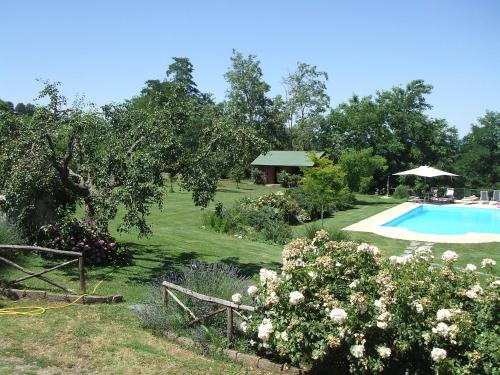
108,338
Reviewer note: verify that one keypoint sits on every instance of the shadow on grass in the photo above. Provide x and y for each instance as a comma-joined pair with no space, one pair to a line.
374,203
149,264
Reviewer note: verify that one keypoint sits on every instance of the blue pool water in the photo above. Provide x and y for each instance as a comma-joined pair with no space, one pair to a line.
449,220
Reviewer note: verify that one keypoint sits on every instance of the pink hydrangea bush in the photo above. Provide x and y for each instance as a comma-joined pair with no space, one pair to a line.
340,306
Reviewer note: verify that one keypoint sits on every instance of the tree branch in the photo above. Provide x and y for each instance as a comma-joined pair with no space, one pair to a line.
62,167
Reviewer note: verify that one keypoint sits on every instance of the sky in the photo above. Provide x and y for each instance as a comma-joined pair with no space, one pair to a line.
106,50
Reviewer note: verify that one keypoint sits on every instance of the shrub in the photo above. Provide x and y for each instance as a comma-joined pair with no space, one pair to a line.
361,166
237,173
401,192
340,307
257,176
74,235
217,280
288,180
9,234
333,234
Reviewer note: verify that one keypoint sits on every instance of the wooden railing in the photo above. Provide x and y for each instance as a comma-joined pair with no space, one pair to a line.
39,274
229,307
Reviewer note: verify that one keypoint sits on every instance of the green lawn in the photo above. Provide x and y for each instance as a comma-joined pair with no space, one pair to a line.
109,334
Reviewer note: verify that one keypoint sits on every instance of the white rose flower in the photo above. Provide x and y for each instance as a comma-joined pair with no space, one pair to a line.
383,351
381,325
244,326
449,256
427,337
252,290
364,247
474,292
357,351
236,298
470,267
443,314
378,304
419,308
384,317
267,276
441,329
424,253
296,297
438,354
265,329
338,315
284,336
488,262
354,284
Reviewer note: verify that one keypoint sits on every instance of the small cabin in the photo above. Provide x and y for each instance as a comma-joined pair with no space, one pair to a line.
273,162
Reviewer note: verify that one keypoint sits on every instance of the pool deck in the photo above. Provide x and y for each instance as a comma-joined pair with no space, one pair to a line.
374,224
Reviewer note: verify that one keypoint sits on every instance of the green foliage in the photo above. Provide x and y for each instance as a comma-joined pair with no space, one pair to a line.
9,234
401,192
333,234
257,176
361,166
307,100
395,124
342,308
480,153
288,180
326,182
264,218
237,173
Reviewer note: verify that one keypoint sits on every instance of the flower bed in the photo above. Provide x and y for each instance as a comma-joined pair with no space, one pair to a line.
340,306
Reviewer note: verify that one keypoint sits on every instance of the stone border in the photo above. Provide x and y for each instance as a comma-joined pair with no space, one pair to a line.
54,297
374,224
244,358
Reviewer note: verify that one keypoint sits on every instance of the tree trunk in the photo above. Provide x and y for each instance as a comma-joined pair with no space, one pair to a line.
89,212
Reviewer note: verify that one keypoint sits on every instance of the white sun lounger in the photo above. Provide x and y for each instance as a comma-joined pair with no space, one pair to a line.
496,197
485,197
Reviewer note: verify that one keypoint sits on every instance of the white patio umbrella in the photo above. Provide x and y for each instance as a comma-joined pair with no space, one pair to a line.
425,171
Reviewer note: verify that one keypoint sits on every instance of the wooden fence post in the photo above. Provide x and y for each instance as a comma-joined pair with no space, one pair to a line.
81,270
165,296
229,325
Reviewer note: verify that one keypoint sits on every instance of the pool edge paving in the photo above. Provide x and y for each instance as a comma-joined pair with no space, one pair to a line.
374,224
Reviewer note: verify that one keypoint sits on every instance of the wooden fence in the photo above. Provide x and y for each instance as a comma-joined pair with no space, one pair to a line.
221,306
39,274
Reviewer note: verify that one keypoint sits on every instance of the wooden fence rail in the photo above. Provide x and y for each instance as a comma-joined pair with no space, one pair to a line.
231,308
39,275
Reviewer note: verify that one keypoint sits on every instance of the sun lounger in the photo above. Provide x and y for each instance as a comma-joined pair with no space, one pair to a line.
484,197
468,200
496,197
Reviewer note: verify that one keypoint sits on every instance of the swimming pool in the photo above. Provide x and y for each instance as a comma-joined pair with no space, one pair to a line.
449,220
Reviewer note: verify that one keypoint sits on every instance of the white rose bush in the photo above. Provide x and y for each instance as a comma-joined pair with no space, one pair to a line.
364,314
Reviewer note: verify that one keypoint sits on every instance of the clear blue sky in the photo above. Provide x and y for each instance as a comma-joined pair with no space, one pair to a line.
107,49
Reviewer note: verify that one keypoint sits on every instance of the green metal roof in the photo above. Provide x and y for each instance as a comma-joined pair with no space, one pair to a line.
287,158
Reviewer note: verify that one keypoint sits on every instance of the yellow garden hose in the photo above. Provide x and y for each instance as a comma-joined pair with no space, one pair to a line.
38,310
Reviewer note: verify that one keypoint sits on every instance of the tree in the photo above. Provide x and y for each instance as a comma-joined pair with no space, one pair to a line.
247,99
307,100
479,156
360,167
105,159
181,73
325,181
395,125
